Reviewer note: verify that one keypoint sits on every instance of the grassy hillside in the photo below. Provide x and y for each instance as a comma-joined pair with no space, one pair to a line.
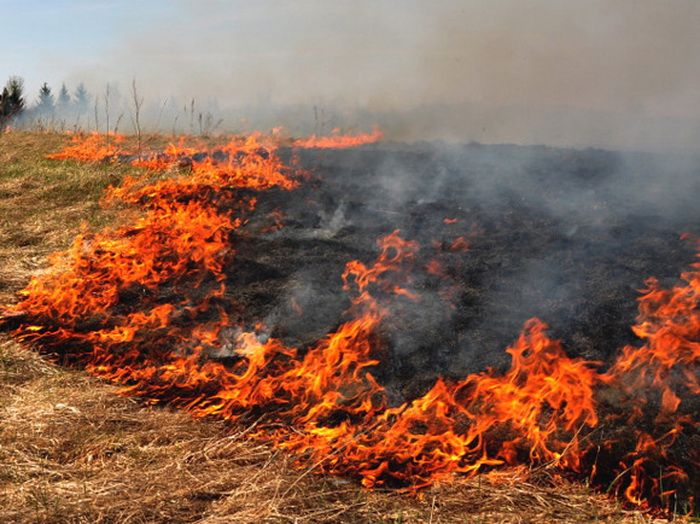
71,450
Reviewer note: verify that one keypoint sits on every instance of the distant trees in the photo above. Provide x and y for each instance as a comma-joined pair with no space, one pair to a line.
73,108
65,107
50,110
81,99
11,100
63,97
45,103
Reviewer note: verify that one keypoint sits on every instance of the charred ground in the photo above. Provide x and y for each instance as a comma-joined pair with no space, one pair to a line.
565,235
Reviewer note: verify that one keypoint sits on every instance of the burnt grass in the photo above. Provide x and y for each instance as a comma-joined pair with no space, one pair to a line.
568,236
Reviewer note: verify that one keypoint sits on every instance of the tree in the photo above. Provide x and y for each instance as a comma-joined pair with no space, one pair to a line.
81,98
4,109
11,100
63,97
45,103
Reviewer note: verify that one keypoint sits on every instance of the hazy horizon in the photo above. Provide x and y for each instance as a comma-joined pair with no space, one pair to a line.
617,75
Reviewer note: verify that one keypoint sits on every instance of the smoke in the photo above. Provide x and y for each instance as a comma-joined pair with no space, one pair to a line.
564,235
615,75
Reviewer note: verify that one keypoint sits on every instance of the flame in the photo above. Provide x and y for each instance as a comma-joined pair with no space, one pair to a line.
459,244
91,148
145,305
96,147
452,427
339,141
171,156
655,378
669,324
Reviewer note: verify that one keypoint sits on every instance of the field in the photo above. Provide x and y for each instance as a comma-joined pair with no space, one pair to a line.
72,450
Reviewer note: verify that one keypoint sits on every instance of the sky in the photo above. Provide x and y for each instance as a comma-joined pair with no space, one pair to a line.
623,73
51,40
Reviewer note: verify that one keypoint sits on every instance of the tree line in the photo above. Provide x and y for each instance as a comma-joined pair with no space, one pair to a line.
102,112
46,108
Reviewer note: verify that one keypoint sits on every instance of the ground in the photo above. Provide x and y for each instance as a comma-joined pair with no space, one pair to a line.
72,450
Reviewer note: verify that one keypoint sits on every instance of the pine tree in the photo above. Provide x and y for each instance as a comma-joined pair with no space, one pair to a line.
15,86
81,98
45,103
11,100
4,108
63,97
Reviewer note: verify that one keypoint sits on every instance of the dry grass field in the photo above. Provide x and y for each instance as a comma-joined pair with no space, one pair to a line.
72,450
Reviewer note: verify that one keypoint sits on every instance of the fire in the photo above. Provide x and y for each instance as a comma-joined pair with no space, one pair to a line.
96,147
169,157
453,427
459,244
91,148
669,325
655,377
146,303
338,141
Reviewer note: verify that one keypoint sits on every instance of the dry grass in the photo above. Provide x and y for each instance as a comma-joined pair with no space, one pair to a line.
71,450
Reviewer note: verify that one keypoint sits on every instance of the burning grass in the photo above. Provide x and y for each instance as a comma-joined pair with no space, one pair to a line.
76,452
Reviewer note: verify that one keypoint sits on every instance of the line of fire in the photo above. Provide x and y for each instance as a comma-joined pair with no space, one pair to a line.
265,281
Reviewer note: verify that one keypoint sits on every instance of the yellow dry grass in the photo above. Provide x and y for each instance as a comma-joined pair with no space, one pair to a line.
72,450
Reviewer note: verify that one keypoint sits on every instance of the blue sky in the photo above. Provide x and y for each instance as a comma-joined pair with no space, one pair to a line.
48,40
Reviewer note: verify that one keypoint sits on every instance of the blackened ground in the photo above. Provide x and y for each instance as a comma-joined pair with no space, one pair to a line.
568,236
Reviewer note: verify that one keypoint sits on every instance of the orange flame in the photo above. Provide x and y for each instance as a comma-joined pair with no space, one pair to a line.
91,148
669,323
161,161
338,141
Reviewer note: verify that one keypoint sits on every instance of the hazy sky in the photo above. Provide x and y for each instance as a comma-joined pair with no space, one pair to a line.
610,63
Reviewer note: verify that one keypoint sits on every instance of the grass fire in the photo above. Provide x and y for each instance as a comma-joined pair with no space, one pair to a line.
149,304
366,296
